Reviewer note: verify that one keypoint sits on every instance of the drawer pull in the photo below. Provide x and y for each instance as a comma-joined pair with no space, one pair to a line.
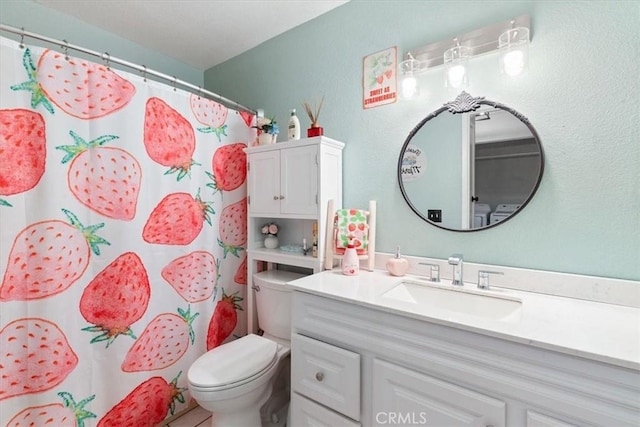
319,376
275,198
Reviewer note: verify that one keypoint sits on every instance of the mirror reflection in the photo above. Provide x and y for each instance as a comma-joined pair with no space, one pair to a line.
470,165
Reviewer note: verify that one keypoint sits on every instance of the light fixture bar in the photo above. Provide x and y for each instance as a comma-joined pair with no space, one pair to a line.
479,41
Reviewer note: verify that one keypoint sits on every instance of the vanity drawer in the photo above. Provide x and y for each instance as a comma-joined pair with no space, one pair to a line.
327,374
305,412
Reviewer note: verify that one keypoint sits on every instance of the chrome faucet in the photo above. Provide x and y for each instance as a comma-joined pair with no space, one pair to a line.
435,271
456,261
483,278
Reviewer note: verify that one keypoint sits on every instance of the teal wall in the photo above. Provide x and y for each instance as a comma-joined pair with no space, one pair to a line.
581,94
36,18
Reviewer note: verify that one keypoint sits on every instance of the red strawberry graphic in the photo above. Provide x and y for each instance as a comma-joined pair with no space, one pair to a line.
164,341
224,320
168,138
22,151
247,117
233,227
241,274
105,179
67,414
211,114
177,219
229,165
36,356
47,257
194,276
146,405
82,89
116,298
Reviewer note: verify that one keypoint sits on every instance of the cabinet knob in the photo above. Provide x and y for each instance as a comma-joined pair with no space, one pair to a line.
281,197
275,198
319,376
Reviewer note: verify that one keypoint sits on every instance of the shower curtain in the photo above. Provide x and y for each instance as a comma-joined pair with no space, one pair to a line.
122,240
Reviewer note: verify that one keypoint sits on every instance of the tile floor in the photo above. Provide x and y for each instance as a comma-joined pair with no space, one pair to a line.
195,417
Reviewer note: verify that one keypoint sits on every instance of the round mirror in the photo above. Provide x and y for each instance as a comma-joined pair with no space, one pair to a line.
470,165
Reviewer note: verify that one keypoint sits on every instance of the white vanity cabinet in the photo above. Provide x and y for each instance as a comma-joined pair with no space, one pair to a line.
289,183
414,372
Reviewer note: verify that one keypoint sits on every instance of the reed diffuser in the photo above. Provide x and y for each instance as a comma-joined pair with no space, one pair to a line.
314,113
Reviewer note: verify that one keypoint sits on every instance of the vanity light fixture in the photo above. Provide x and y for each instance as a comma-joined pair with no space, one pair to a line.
510,37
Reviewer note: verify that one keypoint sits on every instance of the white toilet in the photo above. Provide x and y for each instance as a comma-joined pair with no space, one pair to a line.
236,379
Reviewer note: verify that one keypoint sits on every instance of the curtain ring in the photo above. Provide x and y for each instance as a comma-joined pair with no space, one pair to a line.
108,58
22,38
66,50
175,83
144,73
199,92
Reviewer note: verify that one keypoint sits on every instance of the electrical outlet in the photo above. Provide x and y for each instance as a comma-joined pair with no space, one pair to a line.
434,215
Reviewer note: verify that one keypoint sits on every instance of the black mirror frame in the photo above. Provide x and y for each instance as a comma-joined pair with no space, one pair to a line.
465,103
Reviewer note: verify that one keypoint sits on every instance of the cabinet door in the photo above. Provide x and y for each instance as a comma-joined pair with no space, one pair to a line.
264,182
305,412
402,396
535,419
299,180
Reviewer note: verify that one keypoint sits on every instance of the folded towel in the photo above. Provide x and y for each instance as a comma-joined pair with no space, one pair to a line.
351,224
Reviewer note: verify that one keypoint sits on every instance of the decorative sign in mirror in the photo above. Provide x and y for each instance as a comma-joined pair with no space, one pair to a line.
470,165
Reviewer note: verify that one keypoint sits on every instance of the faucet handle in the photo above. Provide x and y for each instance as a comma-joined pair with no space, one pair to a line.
483,278
435,271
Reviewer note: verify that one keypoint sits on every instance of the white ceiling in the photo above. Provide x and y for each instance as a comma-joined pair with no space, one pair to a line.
200,33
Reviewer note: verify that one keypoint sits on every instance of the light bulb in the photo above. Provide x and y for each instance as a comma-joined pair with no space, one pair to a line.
456,76
455,62
514,55
409,87
513,63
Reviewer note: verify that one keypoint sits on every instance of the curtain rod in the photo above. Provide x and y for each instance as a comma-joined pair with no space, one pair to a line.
142,68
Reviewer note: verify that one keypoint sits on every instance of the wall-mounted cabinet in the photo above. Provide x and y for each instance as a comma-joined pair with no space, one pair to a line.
284,182
290,183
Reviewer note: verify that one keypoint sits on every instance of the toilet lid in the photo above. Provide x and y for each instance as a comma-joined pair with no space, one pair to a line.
232,362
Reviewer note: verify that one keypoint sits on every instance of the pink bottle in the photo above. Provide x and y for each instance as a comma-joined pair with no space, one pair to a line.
350,261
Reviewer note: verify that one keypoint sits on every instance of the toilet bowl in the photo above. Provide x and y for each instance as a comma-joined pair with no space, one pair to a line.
236,379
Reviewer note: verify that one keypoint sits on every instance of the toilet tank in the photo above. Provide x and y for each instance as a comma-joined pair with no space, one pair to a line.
273,302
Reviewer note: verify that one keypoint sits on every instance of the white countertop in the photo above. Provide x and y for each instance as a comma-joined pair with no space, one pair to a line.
604,332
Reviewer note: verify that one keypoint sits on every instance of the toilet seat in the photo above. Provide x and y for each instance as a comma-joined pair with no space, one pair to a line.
233,364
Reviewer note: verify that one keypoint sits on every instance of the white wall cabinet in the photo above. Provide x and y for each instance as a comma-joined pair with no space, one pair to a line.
290,183
284,182
414,372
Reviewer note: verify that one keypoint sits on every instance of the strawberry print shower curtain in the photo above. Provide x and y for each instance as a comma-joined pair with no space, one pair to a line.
122,233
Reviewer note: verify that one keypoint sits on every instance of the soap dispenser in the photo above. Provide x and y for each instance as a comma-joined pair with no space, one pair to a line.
350,261
397,266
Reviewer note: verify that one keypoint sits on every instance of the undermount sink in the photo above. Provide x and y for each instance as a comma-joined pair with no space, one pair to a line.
430,299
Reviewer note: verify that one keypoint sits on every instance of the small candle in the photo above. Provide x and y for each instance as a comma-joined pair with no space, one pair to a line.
304,244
